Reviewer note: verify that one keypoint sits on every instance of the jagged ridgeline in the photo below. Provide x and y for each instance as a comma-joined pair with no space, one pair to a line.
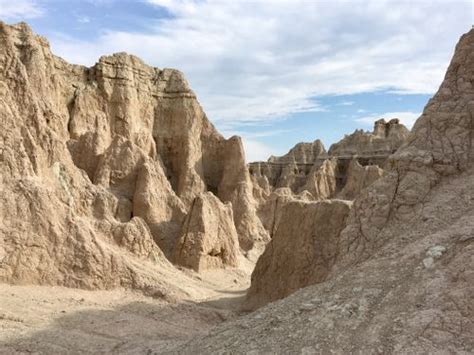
101,166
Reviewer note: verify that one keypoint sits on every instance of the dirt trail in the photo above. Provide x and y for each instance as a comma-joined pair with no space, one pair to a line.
51,320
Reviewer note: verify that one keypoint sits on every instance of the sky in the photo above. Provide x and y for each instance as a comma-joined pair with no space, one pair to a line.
274,72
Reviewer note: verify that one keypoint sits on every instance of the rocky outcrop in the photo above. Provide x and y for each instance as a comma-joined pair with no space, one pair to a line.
289,170
270,209
100,166
321,181
439,146
351,165
309,167
358,178
209,238
402,279
156,203
304,153
385,139
302,251
236,187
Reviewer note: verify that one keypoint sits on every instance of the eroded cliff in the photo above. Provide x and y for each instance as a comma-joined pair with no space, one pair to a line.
100,167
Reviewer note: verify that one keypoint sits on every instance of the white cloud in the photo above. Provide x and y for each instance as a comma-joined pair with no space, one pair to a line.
263,60
20,9
407,118
256,151
361,110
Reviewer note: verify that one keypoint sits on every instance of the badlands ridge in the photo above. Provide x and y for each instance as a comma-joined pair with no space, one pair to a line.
113,180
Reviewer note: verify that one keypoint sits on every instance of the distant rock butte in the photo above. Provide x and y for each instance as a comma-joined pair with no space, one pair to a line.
351,165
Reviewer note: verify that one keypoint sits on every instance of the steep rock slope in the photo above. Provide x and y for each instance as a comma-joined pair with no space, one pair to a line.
402,281
358,178
302,250
99,167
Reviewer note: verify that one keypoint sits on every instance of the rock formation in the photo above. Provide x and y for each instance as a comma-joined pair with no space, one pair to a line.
321,181
359,177
302,250
402,279
307,169
303,153
304,167
209,238
440,145
100,167
385,139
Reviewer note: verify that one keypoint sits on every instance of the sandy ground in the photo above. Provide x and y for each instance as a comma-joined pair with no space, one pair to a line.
57,320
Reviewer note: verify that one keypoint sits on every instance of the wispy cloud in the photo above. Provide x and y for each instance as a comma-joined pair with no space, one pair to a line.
258,62
407,118
20,9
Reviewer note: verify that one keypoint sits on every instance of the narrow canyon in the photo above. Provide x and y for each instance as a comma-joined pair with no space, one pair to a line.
129,224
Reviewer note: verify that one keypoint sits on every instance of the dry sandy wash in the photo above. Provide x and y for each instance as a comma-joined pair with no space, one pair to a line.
128,224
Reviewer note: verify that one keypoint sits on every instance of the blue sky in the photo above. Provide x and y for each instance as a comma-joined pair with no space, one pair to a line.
275,72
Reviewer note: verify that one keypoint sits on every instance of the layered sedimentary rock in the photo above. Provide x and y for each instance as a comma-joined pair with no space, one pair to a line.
99,167
303,248
305,166
351,165
209,238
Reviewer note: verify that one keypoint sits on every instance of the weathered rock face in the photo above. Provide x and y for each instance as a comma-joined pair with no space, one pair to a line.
440,145
305,166
289,170
208,238
402,280
385,139
302,251
270,209
236,187
358,178
352,165
304,153
99,167
322,181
